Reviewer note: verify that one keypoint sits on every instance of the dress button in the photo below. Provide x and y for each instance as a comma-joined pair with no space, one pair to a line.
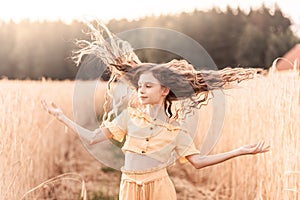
147,139
151,128
143,151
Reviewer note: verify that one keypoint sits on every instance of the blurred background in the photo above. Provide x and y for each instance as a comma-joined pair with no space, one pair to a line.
39,159
37,37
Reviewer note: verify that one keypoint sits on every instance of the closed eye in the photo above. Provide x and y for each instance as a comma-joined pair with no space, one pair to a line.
147,85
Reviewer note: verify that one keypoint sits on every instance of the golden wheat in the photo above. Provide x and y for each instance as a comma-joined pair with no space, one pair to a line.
35,148
29,138
262,109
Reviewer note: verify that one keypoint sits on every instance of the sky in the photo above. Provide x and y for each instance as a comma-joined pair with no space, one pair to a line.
67,10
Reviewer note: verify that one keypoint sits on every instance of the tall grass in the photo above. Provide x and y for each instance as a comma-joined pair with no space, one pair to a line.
35,148
32,146
267,109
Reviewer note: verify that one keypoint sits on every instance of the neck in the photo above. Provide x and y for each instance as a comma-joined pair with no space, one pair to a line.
156,111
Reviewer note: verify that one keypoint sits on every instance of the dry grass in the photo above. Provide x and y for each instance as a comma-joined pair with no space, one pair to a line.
263,109
35,148
30,140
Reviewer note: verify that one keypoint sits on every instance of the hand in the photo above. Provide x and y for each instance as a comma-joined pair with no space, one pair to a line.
52,109
254,148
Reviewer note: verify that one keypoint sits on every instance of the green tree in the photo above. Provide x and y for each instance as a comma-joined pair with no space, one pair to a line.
278,45
251,47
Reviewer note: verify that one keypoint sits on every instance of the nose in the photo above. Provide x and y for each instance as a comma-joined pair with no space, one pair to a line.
141,89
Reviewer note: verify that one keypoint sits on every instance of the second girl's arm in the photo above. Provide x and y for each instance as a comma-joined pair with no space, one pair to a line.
199,161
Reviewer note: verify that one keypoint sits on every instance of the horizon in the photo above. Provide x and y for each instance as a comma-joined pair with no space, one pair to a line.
68,11
57,10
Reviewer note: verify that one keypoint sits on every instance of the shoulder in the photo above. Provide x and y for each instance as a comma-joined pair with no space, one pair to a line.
178,126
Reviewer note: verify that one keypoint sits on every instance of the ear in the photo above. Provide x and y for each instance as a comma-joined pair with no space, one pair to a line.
165,91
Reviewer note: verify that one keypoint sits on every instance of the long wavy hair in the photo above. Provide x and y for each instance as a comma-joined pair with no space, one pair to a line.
190,87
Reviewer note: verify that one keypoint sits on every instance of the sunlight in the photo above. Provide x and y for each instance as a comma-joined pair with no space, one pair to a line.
68,10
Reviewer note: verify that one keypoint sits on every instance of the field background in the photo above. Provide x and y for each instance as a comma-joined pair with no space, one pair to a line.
34,147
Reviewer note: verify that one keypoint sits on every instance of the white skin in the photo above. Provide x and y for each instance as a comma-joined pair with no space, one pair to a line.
152,95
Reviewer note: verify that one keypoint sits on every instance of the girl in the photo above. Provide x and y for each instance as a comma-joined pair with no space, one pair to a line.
151,123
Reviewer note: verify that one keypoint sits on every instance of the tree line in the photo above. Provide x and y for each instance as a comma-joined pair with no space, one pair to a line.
232,38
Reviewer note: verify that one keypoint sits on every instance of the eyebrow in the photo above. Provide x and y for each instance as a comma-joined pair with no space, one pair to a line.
147,83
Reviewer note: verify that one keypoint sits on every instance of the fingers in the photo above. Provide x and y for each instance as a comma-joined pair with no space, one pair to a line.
53,105
49,108
261,148
260,145
44,104
266,149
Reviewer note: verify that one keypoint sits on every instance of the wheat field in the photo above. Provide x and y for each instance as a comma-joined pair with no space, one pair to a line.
40,159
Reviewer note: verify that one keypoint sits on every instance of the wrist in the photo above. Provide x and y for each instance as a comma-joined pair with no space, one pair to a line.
239,152
243,151
61,117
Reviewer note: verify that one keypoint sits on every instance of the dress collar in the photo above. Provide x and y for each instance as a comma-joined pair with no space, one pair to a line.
138,114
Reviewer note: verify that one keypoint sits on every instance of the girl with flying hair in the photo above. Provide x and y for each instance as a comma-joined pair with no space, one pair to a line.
147,120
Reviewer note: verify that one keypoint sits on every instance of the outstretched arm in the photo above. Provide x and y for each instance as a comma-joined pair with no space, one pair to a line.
98,135
199,161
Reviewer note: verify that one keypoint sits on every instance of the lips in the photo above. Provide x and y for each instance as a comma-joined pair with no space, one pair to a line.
142,97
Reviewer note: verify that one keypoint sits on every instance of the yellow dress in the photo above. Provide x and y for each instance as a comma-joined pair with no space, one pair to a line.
153,138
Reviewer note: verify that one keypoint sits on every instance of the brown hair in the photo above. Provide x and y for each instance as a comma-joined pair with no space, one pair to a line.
185,82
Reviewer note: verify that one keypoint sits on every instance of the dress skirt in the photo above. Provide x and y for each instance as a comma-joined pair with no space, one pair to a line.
148,185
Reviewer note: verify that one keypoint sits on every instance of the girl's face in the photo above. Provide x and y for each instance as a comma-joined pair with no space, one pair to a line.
150,90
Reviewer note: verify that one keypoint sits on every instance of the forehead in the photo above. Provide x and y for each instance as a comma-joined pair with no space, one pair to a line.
148,77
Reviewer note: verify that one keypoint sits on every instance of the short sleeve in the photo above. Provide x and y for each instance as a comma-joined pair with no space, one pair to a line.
118,126
185,146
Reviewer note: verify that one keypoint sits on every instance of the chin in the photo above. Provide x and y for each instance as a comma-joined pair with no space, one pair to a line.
143,103
146,103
